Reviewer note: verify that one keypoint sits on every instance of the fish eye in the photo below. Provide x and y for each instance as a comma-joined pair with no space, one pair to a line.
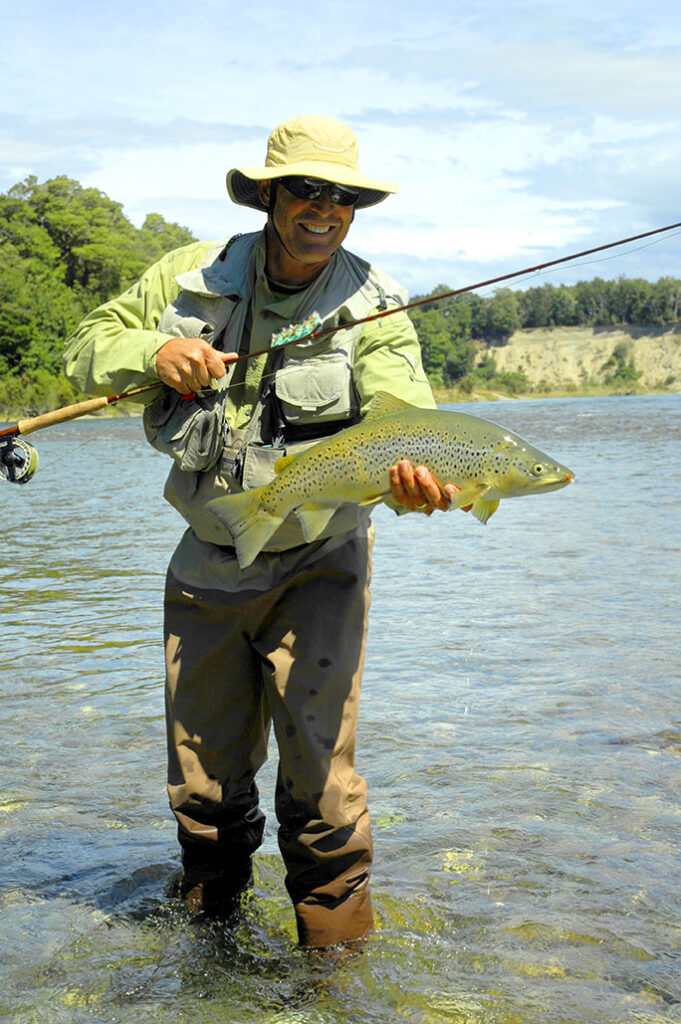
537,469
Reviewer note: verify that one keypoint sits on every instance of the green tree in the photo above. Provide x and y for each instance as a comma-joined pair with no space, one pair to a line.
535,307
63,250
502,315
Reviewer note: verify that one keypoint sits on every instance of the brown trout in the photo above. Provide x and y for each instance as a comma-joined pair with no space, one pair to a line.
486,461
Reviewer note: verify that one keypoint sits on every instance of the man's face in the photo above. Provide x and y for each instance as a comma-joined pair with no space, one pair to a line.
308,233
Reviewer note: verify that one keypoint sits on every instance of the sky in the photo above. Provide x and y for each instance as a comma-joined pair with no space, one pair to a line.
519,131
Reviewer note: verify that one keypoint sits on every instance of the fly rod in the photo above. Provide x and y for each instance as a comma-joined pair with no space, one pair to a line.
19,459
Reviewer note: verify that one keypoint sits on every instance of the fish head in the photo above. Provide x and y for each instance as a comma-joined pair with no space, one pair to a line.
515,468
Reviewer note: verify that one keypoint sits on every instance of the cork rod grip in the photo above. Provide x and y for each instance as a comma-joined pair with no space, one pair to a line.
69,412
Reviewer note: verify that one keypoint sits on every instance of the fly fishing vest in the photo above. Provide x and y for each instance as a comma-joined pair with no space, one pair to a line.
306,390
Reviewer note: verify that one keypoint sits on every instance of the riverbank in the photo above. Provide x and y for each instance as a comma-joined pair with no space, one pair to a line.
559,362
572,358
447,396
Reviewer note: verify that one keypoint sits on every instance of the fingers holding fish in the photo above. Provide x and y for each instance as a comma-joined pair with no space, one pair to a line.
417,489
406,489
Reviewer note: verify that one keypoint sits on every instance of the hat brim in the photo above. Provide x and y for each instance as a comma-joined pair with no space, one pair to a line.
242,182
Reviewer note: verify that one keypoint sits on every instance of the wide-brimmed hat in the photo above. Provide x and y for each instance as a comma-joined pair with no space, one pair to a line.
314,147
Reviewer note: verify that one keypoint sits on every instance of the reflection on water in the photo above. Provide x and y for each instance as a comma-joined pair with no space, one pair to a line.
520,733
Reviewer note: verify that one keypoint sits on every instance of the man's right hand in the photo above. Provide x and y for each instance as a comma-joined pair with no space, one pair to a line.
189,364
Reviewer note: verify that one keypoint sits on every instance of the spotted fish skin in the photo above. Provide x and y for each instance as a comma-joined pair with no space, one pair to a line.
486,461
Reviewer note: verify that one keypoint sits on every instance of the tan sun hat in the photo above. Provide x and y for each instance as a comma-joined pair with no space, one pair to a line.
313,146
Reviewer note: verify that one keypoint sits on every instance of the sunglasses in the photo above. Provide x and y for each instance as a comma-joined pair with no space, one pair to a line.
312,188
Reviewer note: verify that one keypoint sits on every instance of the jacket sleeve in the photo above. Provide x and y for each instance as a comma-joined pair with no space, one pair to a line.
114,348
388,358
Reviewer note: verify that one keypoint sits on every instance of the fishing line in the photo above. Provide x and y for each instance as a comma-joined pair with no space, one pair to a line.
539,272
615,256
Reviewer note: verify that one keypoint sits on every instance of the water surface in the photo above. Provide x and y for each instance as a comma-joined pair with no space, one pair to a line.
520,733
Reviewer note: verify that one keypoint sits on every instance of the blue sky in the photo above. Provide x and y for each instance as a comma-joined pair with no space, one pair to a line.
518,131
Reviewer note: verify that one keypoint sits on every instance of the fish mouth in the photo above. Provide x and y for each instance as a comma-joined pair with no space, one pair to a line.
552,483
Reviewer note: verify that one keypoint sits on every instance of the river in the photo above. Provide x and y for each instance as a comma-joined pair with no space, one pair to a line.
520,734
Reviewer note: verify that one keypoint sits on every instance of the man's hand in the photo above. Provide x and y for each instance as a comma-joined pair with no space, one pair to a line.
418,490
189,364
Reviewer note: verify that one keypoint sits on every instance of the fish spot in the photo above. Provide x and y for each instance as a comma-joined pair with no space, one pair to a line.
313,693
290,731
323,663
310,718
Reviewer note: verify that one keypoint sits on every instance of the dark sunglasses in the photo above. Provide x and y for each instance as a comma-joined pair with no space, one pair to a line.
312,188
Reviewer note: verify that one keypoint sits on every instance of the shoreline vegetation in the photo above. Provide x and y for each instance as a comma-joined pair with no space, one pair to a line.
65,249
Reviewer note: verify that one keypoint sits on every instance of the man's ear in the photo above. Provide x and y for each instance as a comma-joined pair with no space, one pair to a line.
264,193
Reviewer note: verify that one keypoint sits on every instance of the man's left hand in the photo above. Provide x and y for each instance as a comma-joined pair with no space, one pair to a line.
418,490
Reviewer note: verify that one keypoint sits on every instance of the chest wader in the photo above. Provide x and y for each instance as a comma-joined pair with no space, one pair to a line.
292,655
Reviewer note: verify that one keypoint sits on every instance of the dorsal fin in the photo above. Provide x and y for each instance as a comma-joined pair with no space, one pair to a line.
382,403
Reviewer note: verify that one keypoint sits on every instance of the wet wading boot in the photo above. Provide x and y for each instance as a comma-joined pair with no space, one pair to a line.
207,892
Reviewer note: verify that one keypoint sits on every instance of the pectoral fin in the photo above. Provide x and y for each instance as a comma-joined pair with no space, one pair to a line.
483,509
466,497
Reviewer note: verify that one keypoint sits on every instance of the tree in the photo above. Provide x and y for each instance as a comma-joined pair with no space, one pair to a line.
502,315
63,250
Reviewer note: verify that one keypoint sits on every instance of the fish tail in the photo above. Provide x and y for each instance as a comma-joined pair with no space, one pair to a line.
249,524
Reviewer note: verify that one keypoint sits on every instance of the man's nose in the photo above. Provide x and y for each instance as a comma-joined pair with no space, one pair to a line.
322,202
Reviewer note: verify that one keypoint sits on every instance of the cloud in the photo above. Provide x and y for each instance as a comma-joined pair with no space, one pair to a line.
560,77
515,130
122,132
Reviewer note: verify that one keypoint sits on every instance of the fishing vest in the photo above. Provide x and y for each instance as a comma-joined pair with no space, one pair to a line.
307,389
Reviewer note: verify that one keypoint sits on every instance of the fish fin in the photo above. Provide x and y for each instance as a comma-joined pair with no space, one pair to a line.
373,501
483,509
382,403
248,523
283,462
460,499
314,519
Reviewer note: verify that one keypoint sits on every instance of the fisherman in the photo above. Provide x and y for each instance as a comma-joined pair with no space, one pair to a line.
283,640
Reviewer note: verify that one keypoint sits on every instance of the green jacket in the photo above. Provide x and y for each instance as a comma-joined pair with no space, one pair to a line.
199,289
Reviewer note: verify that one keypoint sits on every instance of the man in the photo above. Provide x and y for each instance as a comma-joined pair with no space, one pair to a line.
282,641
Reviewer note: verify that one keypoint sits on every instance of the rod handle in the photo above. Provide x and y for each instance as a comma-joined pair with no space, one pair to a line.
68,412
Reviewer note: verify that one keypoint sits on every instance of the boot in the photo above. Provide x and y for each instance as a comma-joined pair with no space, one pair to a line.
210,893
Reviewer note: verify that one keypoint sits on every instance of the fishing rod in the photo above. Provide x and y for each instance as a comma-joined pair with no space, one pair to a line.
19,459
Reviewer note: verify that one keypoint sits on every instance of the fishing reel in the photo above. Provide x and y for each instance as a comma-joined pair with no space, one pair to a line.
18,460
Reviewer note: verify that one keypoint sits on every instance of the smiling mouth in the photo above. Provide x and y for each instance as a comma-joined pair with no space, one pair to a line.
317,229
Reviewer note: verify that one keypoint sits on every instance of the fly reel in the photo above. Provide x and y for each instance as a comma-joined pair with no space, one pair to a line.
18,460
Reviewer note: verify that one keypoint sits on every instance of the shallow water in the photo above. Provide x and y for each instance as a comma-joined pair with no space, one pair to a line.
520,733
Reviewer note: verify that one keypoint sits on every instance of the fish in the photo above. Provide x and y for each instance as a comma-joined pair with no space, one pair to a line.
486,461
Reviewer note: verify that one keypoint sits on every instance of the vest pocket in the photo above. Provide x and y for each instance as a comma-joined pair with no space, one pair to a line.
316,389
192,432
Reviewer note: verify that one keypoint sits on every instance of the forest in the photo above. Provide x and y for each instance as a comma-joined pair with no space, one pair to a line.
64,249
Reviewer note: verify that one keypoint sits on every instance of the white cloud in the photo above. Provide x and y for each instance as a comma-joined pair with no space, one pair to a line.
515,129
